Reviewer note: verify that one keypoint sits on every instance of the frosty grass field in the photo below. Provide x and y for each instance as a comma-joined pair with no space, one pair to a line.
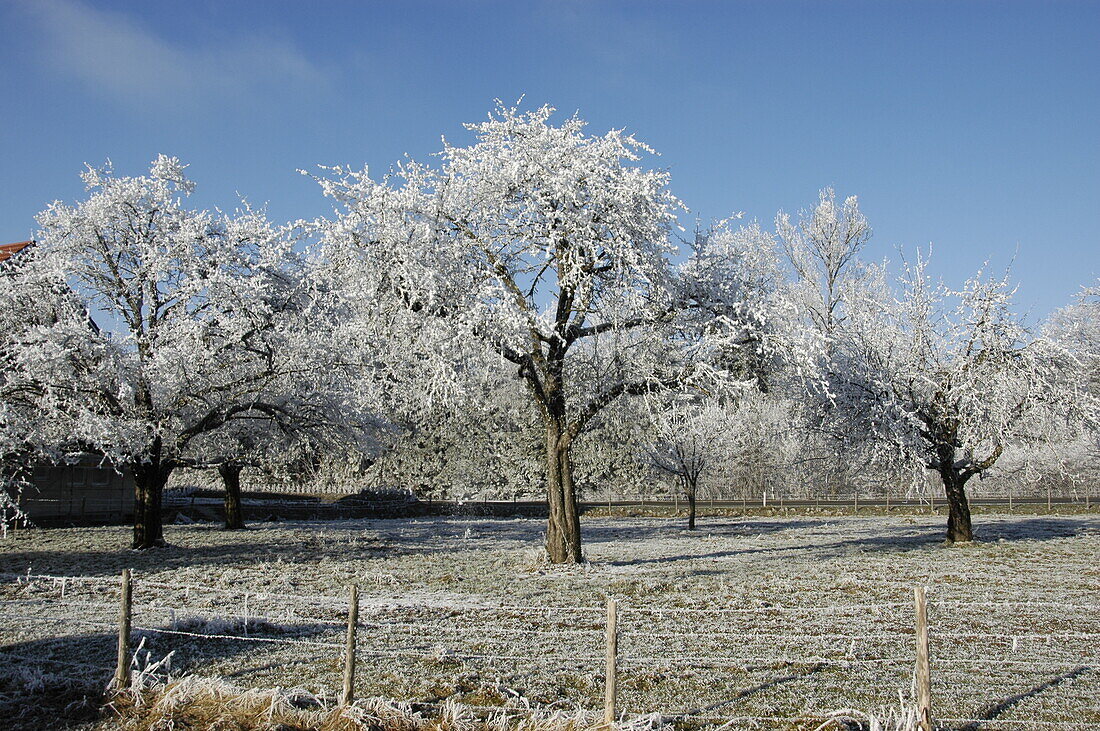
752,619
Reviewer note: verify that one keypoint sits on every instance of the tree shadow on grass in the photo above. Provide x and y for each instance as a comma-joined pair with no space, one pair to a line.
307,543
745,693
912,540
992,712
218,638
650,528
58,682
251,547
294,543
930,537
884,539
43,687
1038,528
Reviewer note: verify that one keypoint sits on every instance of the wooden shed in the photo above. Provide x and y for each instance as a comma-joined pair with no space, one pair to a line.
82,490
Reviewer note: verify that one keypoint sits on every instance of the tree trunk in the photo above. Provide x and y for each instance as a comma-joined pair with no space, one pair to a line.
149,482
690,490
563,530
959,528
231,478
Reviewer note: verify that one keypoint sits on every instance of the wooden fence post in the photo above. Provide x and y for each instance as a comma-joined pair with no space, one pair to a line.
610,677
922,673
122,666
348,696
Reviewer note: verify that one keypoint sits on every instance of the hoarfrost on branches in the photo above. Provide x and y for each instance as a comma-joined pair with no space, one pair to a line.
949,378
543,247
689,442
202,328
823,250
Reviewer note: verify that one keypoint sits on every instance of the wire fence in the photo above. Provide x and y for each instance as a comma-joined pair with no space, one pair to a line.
335,502
994,664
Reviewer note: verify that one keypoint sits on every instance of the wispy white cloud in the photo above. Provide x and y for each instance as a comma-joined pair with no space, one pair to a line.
115,54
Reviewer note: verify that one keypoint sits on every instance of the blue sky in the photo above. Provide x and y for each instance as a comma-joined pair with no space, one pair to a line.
971,125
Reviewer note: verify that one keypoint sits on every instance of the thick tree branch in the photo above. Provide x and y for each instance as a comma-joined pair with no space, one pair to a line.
605,398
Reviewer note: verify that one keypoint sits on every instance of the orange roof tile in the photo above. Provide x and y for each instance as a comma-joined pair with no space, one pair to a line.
7,251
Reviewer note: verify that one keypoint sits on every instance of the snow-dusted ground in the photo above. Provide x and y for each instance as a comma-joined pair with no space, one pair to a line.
785,617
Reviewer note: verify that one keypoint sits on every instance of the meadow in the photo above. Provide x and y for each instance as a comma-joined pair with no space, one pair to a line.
748,622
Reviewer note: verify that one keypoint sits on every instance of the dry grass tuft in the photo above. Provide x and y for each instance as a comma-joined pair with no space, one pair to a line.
201,703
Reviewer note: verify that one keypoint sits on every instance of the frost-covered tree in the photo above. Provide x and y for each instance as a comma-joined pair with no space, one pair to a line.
488,451
823,252
734,274
612,460
324,424
331,400
763,443
24,429
537,245
692,436
1075,330
201,327
733,282
949,378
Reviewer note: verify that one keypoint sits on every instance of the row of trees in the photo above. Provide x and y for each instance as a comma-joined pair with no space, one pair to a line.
535,279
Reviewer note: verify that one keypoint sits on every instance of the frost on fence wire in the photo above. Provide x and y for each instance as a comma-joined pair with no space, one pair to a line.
686,659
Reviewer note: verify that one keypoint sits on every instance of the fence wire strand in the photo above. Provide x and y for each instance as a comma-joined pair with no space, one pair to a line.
485,621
